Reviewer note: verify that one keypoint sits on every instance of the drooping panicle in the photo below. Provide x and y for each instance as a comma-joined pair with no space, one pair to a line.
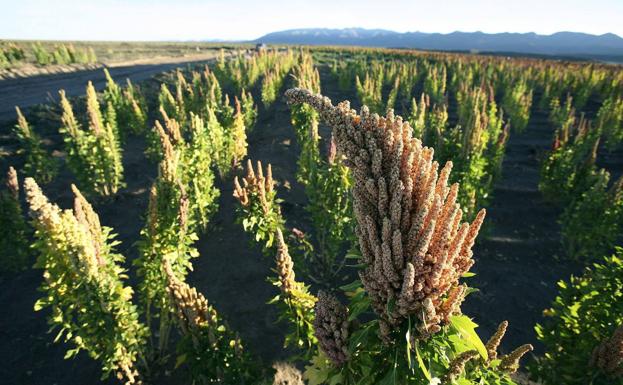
331,328
409,224
608,355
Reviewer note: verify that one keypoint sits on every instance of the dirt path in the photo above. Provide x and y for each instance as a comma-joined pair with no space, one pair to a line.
26,92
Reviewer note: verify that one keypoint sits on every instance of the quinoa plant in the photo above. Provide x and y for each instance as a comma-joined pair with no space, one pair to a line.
587,311
260,216
435,82
274,78
14,245
569,168
414,249
128,106
93,155
562,117
42,56
249,110
326,181
259,211
83,285
369,92
417,115
592,223
209,348
517,102
610,121
198,174
168,235
38,163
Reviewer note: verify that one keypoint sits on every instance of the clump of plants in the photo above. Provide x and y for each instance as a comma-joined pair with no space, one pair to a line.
128,106
90,304
414,249
327,182
581,326
63,54
14,251
10,55
610,121
168,234
593,222
212,352
517,102
569,168
260,215
94,154
274,78
38,163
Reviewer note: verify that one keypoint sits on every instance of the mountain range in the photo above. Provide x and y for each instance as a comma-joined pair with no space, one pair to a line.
567,44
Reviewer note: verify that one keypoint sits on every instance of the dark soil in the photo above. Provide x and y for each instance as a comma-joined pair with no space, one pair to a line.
517,261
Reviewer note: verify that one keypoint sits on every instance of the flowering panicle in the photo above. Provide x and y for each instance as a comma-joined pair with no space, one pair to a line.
608,355
457,366
409,226
255,183
510,362
285,266
494,341
191,307
331,328
12,184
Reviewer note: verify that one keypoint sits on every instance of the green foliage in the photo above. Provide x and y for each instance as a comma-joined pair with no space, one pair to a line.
610,121
517,102
593,222
327,183
42,56
38,163
128,107
562,117
369,92
274,78
168,235
93,155
63,54
14,245
569,168
249,110
587,309
10,55
435,82
198,174
84,285
417,116
408,361
211,351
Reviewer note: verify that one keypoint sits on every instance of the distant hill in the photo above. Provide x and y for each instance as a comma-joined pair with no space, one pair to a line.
571,44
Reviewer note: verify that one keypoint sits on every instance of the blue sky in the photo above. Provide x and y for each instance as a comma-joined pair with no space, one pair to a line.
245,19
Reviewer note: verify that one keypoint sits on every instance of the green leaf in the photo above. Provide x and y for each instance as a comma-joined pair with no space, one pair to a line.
421,362
40,304
467,329
351,286
180,360
408,338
